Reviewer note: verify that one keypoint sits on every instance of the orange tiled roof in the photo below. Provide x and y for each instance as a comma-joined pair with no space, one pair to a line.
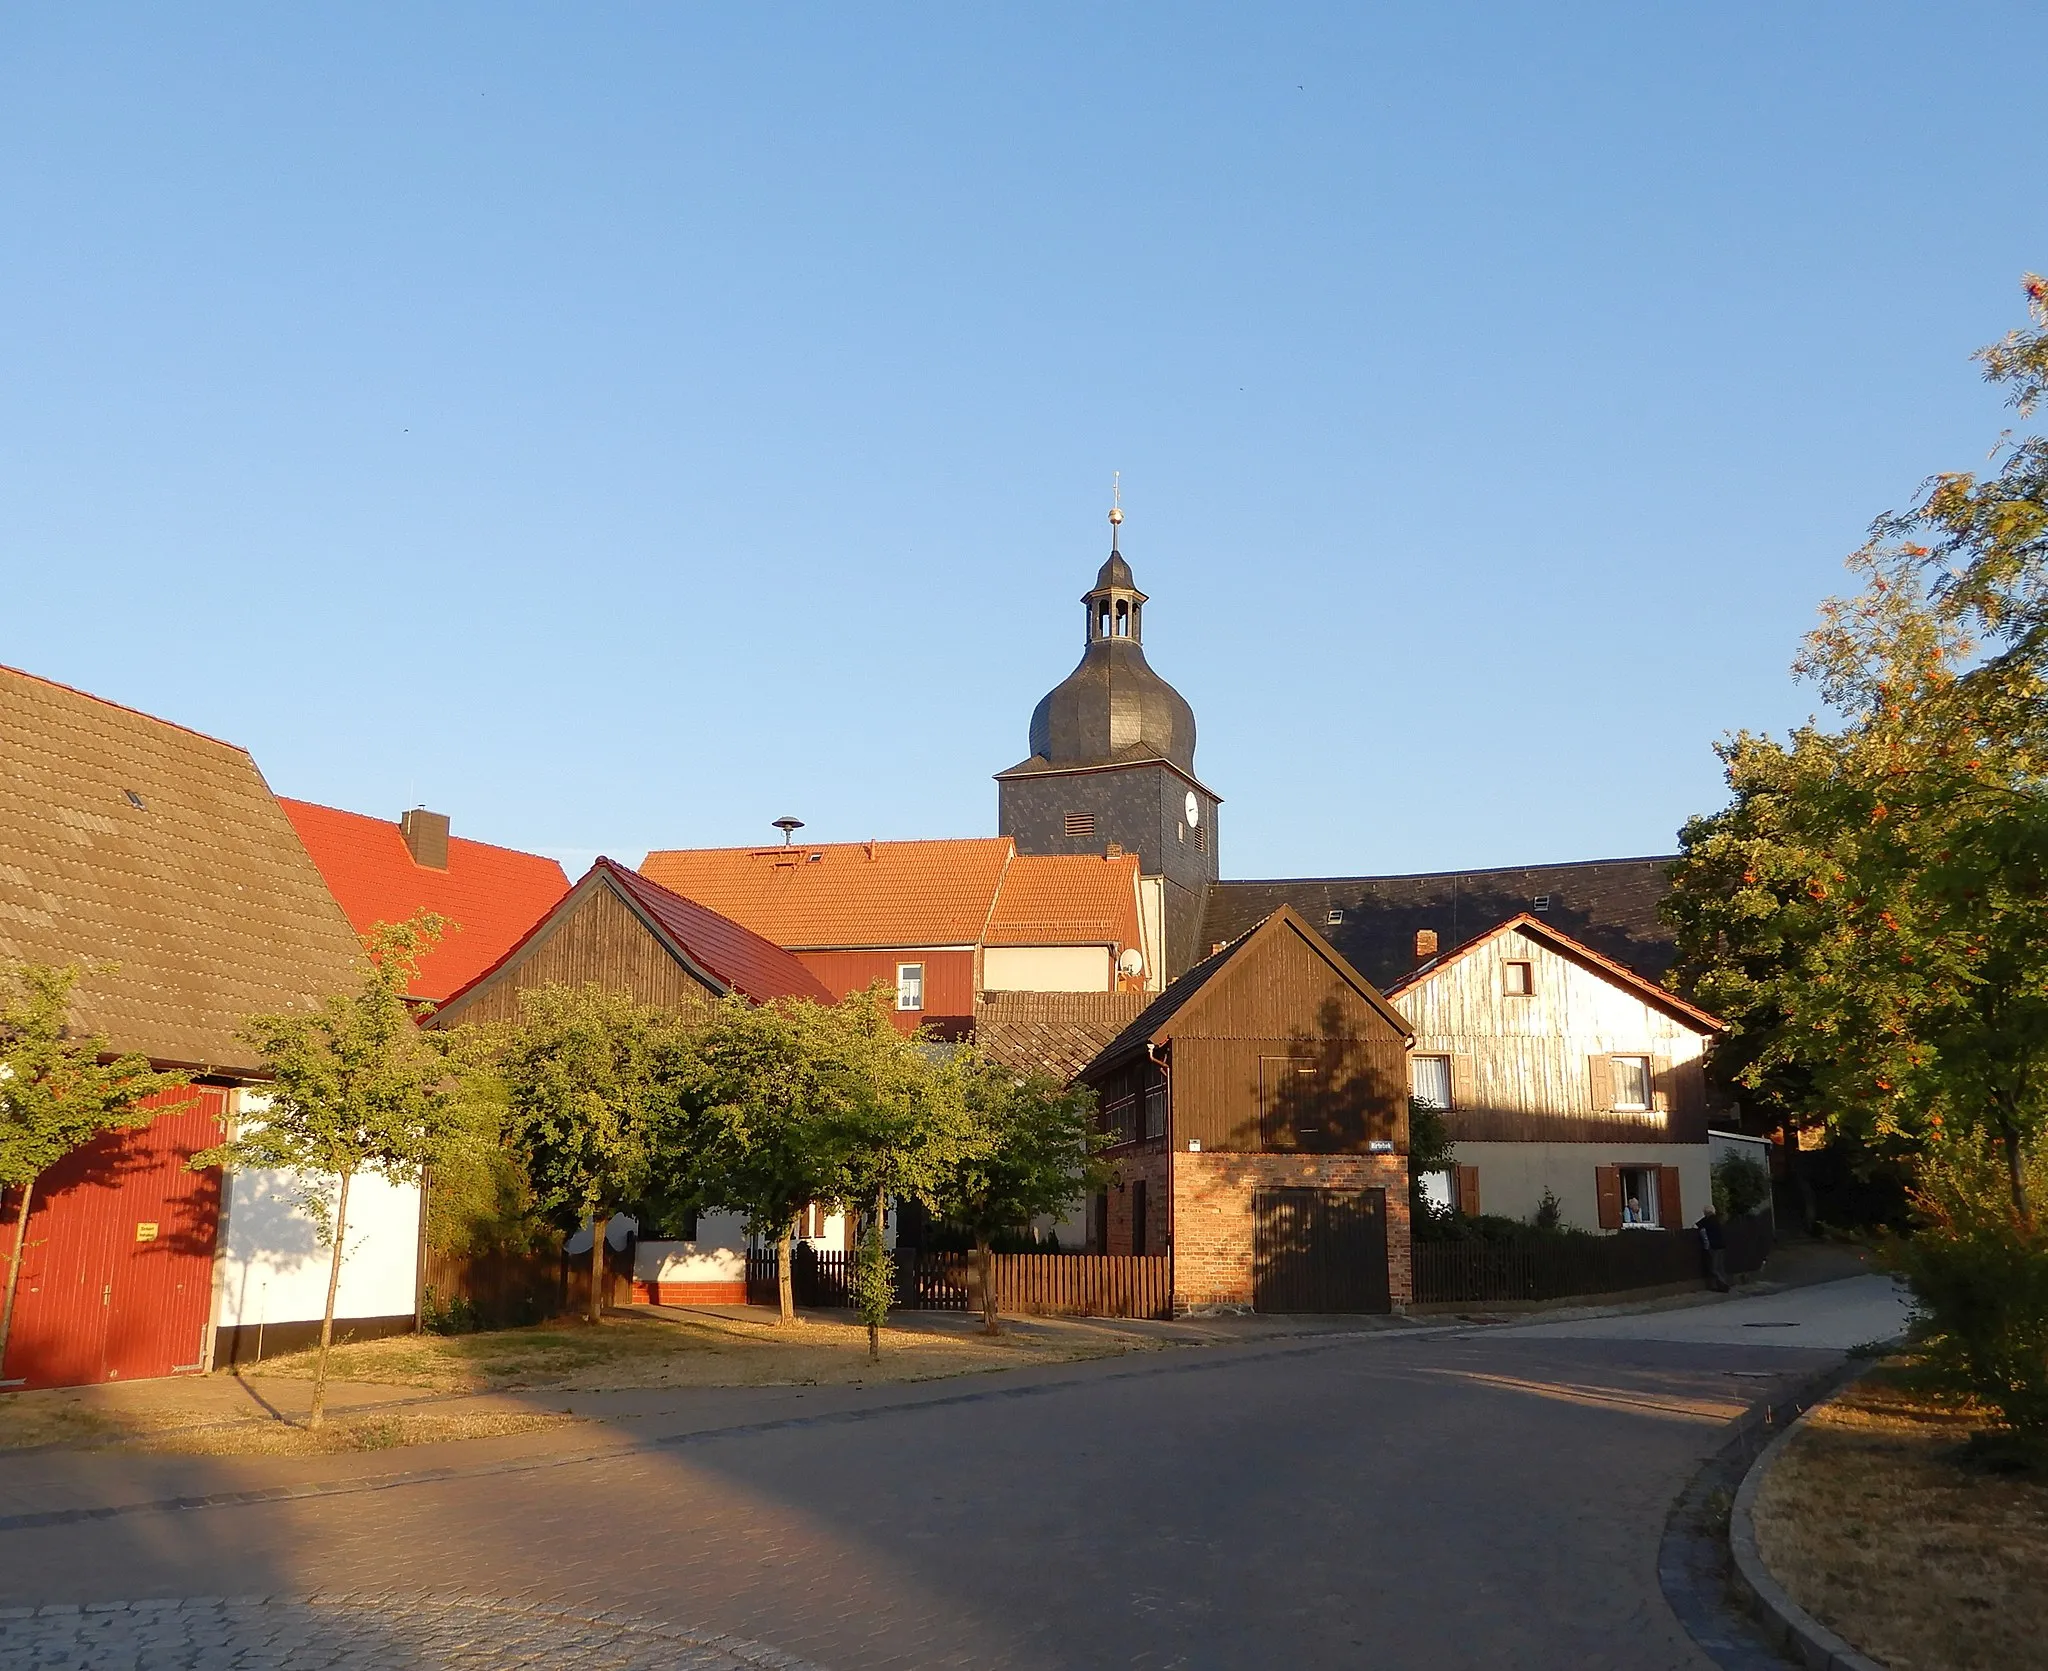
964,892
492,895
1058,899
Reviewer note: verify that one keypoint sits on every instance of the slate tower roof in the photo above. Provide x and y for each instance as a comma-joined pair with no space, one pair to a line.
1112,708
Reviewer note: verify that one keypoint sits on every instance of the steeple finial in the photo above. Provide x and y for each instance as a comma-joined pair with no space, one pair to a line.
1116,505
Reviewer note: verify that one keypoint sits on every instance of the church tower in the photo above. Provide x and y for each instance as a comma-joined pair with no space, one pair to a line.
1113,762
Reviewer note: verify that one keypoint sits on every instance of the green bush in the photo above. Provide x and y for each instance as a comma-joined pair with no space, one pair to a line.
1980,1283
1741,1186
451,1316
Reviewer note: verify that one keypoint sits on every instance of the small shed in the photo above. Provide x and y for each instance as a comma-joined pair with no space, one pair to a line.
1259,1114
630,935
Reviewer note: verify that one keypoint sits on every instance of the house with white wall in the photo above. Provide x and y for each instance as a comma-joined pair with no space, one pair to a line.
1560,1071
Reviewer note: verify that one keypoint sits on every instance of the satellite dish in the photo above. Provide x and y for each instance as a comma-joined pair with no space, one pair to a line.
1132,962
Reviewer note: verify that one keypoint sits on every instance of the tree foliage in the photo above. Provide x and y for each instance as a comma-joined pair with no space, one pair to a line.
589,1079
56,1094
1026,1145
751,1134
1866,911
355,1087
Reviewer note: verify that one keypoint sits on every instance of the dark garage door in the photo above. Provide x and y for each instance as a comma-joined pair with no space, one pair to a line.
1320,1250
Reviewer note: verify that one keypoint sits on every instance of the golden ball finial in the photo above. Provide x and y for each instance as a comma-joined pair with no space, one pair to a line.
1115,517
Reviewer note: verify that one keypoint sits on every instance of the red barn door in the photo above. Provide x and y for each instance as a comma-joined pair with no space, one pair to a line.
117,1276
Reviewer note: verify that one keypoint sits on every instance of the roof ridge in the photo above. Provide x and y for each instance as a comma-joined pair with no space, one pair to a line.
397,826
122,707
1425,875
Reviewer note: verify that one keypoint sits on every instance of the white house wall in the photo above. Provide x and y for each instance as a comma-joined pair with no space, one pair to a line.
274,1267
1513,1176
1047,969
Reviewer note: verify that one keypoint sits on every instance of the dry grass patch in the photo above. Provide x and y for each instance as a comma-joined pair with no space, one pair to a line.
197,1424
693,1350
1877,1523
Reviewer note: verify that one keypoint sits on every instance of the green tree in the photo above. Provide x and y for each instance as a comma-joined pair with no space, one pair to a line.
752,1134
1866,910
355,1087
57,1093
1430,1149
1026,1145
589,1076
897,1126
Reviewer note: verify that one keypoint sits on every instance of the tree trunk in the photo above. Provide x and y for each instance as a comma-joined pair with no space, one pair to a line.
985,1256
28,1191
785,1287
598,1225
2015,1172
319,1412
881,1252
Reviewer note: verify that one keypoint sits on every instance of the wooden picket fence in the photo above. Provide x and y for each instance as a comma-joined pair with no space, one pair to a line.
1035,1284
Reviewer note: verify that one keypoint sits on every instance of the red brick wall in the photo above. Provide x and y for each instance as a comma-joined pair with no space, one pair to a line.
1152,1165
1212,1217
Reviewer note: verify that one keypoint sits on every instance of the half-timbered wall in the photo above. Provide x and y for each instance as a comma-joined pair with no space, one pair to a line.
1527,1069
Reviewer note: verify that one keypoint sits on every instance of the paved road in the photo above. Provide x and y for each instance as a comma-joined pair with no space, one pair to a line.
1488,1498
1831,1317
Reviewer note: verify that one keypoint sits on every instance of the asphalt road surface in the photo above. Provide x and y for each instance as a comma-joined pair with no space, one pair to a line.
1483,1497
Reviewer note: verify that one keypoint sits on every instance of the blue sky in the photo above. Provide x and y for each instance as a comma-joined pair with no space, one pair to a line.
619,426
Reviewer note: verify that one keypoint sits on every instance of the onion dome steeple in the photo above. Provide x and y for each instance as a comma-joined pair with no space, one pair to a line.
1113,707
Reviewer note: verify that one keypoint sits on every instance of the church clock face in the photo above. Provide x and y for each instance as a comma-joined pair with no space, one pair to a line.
1194,810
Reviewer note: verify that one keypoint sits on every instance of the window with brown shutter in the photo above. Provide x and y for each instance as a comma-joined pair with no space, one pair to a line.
1660,1084
1462,1094
1468,1191
1670,1208
1607,1196
1600,1075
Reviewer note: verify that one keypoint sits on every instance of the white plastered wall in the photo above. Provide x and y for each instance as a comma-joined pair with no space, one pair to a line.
1047,969
273,1263
1513,1176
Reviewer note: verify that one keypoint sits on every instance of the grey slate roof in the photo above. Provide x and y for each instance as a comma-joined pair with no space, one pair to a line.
1609,904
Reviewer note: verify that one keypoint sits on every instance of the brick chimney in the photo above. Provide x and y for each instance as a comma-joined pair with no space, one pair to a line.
426,837
1425,946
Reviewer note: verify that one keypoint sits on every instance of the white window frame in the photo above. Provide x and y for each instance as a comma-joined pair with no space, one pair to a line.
910,986
1648,1083
1654,1196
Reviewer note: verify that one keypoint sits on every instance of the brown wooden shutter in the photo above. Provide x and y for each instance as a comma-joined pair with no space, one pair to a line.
1670,1208
1607,1193
1462,1094
1660,1083
1689,1100
1600,1073
1468,1191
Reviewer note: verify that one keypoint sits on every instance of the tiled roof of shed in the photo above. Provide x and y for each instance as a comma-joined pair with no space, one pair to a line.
1607,904
131,840
1058,1033
734,957
490,895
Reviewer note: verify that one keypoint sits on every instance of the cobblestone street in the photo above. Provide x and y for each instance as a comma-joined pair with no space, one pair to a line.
1484,1498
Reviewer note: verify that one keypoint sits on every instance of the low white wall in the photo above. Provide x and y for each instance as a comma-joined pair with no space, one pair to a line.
688,1262
275,1267
1047,969
1513,1176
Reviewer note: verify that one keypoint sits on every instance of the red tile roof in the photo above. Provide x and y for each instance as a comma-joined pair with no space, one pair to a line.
494,894
905,894
1058,899
718,949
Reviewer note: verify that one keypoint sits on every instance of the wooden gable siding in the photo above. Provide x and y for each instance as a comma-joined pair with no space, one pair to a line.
601,940
1280,1001
1523,1068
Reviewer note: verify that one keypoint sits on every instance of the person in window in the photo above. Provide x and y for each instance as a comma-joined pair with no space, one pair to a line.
1630,1212
1715,1240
